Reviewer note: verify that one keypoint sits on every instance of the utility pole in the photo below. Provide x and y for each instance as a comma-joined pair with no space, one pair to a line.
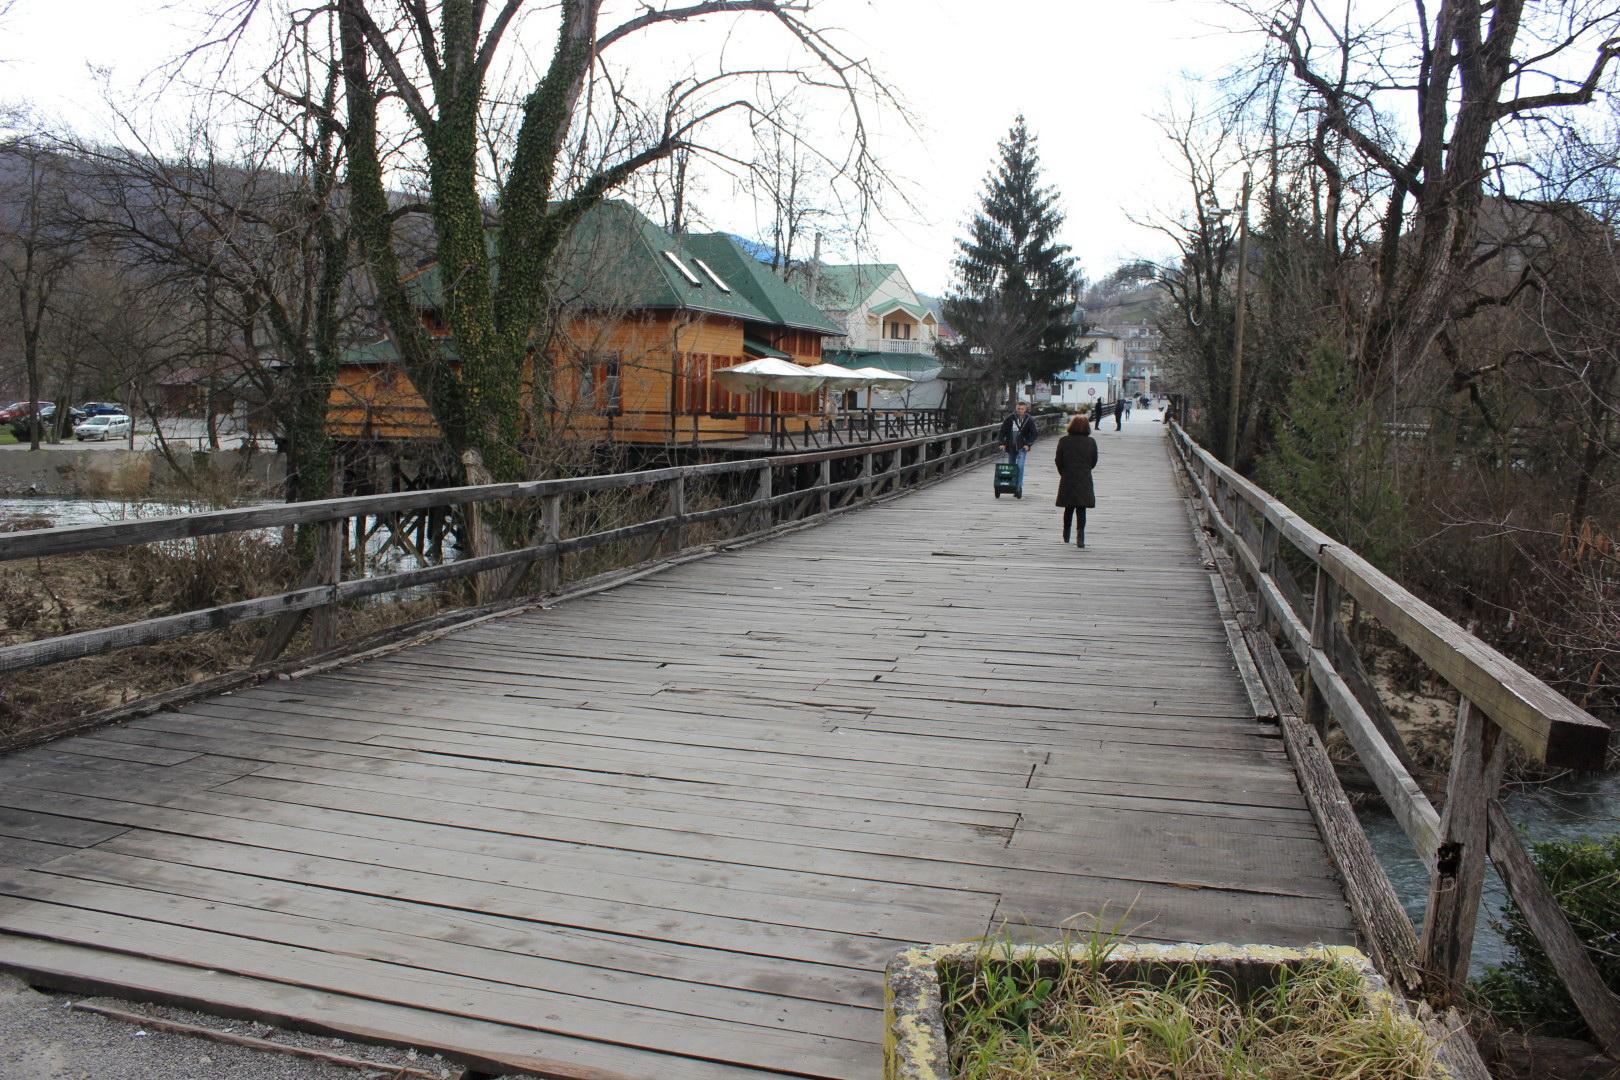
1237,345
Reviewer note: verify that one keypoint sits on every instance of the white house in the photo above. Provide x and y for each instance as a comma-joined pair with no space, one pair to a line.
886,326
1097,377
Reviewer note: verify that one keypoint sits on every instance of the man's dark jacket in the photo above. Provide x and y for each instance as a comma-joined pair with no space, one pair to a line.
1026,433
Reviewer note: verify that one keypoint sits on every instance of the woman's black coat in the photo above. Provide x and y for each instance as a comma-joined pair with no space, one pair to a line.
1076,457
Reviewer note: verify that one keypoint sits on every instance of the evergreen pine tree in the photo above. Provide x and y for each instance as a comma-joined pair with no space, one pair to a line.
1016,289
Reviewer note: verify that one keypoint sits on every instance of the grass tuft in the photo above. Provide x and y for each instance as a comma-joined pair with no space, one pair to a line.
1061,1012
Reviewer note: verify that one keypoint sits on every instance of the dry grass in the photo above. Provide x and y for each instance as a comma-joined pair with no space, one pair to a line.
67,594
1059,1017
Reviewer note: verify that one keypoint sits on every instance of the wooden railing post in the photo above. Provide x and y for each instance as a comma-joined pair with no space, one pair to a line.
329,563
1458,873
551,534
677,510
823,483
866,476
762,494
895,458
1268,564
1315,711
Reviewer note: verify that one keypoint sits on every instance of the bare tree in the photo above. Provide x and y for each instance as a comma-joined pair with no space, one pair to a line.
36,252
579,135
1475,78
260,233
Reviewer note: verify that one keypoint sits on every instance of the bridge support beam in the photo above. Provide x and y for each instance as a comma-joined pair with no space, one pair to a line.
1458,874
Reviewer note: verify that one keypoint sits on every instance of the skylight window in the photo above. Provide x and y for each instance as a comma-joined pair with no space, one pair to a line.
675,261
714,277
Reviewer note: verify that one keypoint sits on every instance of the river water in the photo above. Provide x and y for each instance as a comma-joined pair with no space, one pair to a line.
52,511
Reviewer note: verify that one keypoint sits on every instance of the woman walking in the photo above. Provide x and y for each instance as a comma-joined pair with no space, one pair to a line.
1076,457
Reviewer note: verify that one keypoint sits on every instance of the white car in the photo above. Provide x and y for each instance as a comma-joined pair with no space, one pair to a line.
111,426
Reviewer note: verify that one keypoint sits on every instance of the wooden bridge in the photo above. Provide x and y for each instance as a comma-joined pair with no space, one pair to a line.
677,827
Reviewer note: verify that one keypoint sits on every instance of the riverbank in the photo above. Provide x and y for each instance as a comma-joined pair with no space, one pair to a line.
95,470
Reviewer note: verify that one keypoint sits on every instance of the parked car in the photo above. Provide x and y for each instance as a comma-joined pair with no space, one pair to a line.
47,414
105,426
14,411
103,408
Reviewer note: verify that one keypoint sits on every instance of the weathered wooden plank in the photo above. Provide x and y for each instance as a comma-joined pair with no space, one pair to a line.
879,736
1458,875
492,1046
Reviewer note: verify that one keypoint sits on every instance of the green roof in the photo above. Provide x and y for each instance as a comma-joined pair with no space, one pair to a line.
784,304
383,352
615,258
841,287
899,363
755,347
916,311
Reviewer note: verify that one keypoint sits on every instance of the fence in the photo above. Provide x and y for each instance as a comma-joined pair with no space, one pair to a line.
776,430
875,471
1499,701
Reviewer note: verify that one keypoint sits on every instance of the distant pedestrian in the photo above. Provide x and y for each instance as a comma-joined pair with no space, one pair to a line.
1119,413
1017,436
1128,403
1076,457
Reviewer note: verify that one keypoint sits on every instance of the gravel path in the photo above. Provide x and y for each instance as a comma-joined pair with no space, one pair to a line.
43,1038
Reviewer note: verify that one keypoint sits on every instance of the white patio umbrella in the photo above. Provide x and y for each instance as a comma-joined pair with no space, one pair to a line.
877,378
769,374
840,378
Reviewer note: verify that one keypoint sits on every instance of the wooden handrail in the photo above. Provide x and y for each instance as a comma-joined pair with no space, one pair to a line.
1547,725
326,588
1496,697
72,539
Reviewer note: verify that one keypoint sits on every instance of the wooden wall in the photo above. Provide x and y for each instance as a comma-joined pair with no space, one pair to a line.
378,401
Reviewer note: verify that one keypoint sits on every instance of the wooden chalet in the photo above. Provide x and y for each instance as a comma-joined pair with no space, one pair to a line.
646,319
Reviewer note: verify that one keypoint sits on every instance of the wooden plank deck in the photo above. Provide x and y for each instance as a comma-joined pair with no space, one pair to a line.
676,829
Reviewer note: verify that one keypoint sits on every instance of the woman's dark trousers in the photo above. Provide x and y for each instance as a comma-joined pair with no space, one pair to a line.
1069,515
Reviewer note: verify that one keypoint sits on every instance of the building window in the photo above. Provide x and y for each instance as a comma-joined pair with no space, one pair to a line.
899,331
612,390
600,388
1093,368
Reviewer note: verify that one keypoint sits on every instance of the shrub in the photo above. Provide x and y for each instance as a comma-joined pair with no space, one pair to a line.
1525,992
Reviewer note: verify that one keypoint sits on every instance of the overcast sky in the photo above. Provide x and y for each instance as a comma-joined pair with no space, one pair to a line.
1089,75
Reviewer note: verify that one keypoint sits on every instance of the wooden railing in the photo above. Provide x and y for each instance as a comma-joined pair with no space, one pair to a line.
779,430
806,490
1497,698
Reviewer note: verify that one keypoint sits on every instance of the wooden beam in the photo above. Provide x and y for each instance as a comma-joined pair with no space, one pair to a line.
329,564
762,492
1321,601
1458,875
551,532
1597,1006
1348,664
1412,809
1542,721
677,510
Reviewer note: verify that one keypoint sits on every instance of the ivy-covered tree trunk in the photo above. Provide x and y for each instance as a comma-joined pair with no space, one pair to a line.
492,322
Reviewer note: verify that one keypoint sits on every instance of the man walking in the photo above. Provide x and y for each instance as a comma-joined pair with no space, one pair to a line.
1119,413
1017,436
